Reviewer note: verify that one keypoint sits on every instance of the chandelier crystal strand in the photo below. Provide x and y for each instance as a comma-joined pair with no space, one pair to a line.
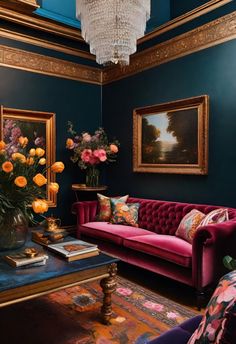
112,27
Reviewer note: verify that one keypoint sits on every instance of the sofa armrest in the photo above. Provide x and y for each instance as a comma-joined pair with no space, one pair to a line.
211,243
85,211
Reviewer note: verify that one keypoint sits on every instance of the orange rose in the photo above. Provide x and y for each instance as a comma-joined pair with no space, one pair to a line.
2,145
32,152
19,156
20,181
113,148
42,161
53,187
30,161
39,152
40,206
70,144
39,179
23,141
57,167
7,166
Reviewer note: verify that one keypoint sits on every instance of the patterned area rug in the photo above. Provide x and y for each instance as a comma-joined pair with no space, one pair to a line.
71,316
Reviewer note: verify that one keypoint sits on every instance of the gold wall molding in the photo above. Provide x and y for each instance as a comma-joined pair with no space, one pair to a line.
186,17
45,44
11,13
33,21
24,60
22,5
216,32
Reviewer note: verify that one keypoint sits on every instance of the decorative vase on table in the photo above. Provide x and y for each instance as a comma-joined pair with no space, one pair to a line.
92,176
22,189
13,230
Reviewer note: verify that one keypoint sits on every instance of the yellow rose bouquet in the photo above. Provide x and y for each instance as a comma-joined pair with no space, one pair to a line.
23,184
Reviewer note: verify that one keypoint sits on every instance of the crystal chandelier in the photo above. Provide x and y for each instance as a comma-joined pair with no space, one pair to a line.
112,27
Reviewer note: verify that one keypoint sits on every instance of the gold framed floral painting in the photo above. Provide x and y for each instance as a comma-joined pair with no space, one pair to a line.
172,137
39,128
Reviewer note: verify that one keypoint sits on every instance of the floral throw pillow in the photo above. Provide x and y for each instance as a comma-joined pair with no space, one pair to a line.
104,202
215,216
124,213
189,224
218,322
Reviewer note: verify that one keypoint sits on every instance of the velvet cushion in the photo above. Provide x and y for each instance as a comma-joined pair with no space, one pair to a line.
215,216
163,246
126,214
218,323
179,334
104,213
188,225
109,232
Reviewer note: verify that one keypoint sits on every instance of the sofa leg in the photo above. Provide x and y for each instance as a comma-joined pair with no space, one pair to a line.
200,299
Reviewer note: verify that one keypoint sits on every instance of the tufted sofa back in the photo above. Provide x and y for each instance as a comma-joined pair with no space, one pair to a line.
163,217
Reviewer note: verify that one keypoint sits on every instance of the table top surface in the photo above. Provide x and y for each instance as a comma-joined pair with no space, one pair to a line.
55,266
83,187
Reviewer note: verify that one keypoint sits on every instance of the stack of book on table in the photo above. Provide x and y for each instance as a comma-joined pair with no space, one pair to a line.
75,249
21,260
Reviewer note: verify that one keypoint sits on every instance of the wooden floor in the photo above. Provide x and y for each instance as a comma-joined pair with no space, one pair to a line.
166,287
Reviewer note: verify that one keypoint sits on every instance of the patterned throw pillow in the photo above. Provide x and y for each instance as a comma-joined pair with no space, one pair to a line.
124,213
218,322
215,216
189,224
105,206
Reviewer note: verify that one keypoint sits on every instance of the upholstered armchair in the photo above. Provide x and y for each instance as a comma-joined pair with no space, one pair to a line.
218,323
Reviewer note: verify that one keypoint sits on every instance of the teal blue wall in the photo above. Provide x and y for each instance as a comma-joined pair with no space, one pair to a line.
70,100
186,5
211,71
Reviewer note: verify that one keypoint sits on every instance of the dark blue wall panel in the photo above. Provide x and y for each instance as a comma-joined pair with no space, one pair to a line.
70,100
211,71
178,8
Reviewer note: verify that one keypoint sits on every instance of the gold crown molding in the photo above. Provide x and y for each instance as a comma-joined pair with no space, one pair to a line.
22,5
45,44
191,15
24,60
34,22
218,31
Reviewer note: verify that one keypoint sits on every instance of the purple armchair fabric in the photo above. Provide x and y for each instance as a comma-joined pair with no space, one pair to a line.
179,334
155,247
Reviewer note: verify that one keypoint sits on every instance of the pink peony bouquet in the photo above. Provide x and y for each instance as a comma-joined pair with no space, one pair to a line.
91,150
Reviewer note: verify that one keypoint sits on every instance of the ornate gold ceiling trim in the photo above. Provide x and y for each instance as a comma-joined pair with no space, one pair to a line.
45,44
24,60
218,31
191,15
34,22
22,5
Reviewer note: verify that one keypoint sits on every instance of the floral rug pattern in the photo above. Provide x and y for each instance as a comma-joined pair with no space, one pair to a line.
72,316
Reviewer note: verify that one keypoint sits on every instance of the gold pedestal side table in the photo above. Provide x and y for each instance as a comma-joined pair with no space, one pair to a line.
83,188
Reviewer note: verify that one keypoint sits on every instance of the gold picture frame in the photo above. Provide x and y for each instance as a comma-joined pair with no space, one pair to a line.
39,127
172,137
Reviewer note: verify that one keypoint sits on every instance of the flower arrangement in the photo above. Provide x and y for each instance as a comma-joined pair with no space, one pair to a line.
91,150
22,177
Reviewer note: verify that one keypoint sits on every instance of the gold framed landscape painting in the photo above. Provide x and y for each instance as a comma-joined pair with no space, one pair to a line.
172,137
39,128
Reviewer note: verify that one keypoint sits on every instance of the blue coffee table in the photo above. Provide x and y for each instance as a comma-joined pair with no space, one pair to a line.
20,284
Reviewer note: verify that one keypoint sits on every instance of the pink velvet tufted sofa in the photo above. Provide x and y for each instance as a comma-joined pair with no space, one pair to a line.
155,247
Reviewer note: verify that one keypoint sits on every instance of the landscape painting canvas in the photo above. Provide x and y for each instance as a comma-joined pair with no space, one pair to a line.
172,137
